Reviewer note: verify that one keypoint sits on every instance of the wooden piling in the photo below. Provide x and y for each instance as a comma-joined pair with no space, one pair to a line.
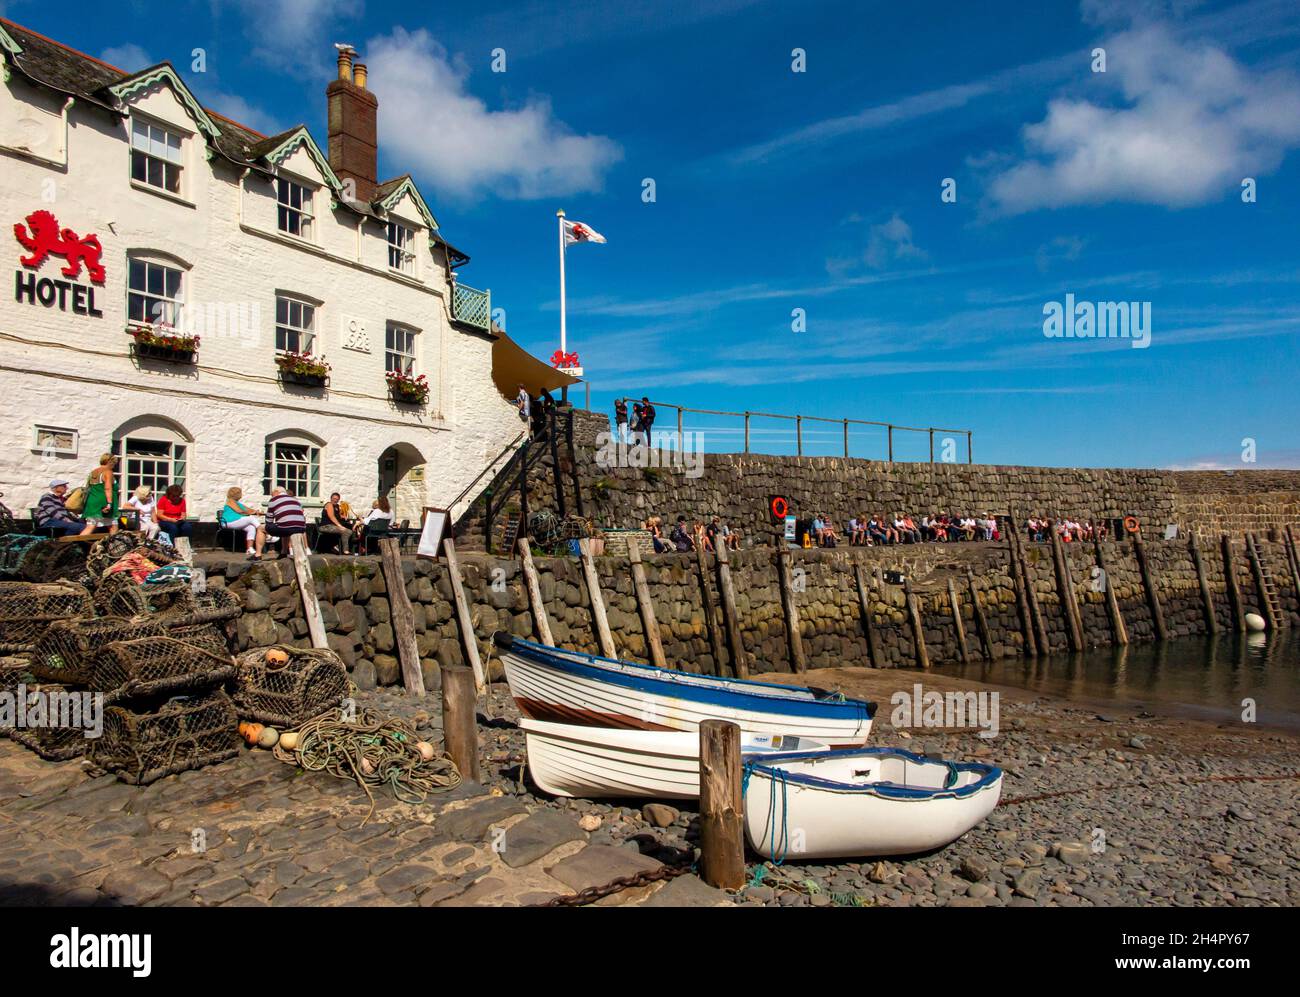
599,620
307,589
739,662
957,623
864,605
918,629
1293,559
402,616
1207,603
1020,583
1065,594
981,621
468,641
722,842
1118,631
1230,583
1149,584
646,607
459,720
710,613
794,638
541,621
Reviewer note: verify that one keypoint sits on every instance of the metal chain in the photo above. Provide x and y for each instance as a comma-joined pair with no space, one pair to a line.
593,893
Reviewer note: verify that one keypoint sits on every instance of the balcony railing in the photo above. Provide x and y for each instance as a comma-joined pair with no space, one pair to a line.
472,306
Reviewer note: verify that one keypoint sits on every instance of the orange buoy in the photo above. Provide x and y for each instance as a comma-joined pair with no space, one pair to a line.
1131,524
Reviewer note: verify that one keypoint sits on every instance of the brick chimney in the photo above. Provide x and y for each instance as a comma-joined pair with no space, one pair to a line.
353,139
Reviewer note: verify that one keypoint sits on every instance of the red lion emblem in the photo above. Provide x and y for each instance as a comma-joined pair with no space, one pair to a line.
561,359
47,239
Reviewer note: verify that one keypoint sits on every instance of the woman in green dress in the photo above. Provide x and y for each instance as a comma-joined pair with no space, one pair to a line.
101,497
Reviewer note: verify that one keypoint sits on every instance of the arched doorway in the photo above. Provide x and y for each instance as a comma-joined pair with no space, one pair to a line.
401,481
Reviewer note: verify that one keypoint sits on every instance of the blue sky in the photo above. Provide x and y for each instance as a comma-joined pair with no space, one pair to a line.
820,190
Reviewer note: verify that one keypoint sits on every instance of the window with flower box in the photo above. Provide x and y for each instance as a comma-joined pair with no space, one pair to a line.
399,348
295,325
155,293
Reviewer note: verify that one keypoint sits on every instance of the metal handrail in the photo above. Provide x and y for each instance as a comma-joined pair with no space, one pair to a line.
487,467
799,420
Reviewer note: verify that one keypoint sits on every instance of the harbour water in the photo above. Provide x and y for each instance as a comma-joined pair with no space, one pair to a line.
1208,678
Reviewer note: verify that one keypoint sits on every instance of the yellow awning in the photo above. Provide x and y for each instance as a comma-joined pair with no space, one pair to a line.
512,365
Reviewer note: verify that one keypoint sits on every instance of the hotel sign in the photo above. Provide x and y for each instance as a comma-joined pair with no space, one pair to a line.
42,238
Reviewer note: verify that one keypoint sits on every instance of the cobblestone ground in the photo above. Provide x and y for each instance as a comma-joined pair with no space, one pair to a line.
280,837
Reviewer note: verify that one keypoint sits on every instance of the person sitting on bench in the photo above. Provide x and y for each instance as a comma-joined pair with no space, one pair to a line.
53,515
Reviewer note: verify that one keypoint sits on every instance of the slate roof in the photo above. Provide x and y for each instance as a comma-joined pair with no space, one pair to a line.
88,79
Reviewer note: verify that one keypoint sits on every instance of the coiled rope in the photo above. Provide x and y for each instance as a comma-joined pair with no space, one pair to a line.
371,751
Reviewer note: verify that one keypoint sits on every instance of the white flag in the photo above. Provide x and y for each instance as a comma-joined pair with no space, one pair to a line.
578,232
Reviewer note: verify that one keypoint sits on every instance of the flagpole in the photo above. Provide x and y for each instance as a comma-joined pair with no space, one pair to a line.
563,343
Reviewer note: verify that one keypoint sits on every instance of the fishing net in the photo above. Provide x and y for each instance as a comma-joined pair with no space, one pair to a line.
201,635
153,665
27,609
146,555
171,736
51,560
13,549
63,652
54,722
15,670
288,693
119,594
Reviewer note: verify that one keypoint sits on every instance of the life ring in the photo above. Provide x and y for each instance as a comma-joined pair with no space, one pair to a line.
780,507
1131,524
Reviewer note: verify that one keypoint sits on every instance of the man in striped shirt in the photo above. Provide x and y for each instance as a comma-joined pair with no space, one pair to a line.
284,516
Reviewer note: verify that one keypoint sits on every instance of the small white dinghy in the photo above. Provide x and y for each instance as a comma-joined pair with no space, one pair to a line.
862,802
598,762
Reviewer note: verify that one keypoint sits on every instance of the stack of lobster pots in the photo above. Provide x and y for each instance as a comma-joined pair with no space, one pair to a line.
124,663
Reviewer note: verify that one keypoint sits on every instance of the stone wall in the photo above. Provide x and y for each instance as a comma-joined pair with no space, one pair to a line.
357,613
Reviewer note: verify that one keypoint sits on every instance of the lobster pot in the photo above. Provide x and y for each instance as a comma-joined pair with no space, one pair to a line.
50,560
202,635
107,552
61,734
121,595
153,665
190,607
312,681
63,652
15,669
27,610
167,737
13,549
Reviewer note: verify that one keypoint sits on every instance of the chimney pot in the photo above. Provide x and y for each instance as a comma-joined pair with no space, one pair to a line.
359,75
345,64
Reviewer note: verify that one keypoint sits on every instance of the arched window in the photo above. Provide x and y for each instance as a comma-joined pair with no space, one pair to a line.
153,451
292,462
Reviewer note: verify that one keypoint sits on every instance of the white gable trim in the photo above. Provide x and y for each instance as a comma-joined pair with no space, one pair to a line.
128,89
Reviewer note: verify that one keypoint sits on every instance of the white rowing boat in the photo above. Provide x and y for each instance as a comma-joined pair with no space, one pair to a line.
599,762
862,802
571,687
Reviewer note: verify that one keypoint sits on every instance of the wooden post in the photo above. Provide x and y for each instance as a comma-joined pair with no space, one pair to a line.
846,437
1149,583
307,588
1065,593
794,637
1207,603
957,623
459,720
918,630
931,446
798,431
722,842
1288,538
399,608
864,605
1020,582
746,432
553,434
1035,610
1230,583
541,622
600,622
981,622
739,663
468,640
1118,631
710,613
184,549
891,444
648,622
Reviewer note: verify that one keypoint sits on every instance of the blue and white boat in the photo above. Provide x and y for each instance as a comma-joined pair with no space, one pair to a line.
862,802
571,687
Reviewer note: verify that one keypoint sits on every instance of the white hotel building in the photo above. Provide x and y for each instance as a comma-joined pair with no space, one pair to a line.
259,245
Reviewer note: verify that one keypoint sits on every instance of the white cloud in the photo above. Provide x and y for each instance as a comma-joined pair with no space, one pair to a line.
430,122
238,109
889,242
129,58
1190,124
